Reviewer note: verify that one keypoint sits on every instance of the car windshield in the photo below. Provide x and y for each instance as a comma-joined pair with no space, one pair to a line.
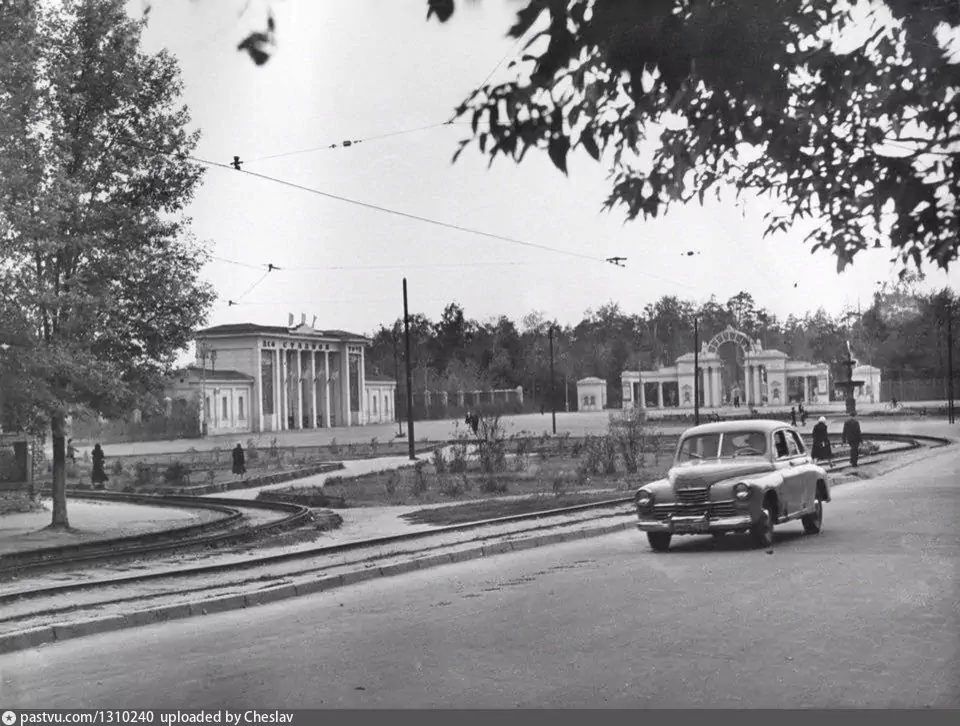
728,445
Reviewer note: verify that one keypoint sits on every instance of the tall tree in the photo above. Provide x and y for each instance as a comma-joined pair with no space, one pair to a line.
95,246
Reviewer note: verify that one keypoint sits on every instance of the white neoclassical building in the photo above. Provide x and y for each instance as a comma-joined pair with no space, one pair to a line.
272,378
761,378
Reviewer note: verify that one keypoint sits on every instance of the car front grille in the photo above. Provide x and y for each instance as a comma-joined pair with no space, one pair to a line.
663,512
723,509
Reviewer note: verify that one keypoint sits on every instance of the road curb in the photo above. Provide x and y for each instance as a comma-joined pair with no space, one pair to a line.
27,639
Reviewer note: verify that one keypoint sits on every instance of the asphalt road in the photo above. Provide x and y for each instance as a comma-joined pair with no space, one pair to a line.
865,614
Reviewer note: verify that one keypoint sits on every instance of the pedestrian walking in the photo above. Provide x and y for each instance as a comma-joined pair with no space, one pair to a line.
803,414
793,416
852,436
239,461
98,476
71,452
821,442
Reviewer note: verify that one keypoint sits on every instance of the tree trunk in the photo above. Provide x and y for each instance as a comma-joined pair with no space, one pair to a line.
58,426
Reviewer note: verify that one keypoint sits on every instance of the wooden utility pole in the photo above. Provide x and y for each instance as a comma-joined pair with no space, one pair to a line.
406,333
553,387
696,372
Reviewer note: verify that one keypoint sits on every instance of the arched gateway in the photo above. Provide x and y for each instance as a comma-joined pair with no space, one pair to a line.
760,378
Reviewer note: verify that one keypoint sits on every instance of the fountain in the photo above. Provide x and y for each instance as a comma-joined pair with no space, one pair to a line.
848,386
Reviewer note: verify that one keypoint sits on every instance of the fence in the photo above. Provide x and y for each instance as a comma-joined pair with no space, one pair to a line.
432,405
927,389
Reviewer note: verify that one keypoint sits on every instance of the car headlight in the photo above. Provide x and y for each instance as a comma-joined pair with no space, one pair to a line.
644,499
742,491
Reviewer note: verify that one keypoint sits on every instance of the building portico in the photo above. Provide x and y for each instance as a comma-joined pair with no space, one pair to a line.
303,378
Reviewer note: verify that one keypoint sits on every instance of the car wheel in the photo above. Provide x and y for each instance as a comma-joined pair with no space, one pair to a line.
762,531
813,523
659,541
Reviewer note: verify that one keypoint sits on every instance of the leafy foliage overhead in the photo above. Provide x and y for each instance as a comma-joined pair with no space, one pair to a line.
845,113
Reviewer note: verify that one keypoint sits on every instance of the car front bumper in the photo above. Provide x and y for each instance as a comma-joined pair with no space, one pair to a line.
695,525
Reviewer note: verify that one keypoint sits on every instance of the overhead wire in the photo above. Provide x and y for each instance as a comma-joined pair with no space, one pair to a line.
398,213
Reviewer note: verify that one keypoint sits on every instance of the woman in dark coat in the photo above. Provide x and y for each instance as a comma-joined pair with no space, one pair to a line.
239,461
98,476
821,442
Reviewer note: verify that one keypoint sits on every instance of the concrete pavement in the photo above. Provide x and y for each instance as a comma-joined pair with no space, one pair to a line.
92,520
865,614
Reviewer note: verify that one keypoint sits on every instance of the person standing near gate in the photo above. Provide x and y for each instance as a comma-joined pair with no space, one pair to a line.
852,436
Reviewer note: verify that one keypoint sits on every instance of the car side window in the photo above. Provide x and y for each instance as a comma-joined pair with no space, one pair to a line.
792,446
798,442
780,442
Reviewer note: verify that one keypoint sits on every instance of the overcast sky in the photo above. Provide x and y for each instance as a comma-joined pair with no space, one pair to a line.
353,69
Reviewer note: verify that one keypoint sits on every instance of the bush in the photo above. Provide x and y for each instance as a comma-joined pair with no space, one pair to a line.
392,483
252,454
143,474
522,445
420,478
576,449
559,486
493,449
493,485
458,454
450,487
116,468
176,474
439,461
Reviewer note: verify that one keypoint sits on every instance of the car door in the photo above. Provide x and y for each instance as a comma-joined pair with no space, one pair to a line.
789,464
808,475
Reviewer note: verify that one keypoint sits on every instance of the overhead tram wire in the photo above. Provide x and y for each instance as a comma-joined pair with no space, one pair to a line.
236,167
347,143
398,213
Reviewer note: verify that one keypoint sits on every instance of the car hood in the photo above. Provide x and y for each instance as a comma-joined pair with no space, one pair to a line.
700,475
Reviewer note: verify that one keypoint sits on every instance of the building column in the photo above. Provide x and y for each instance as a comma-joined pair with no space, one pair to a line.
284,405
361,385
313,389
345,358
326,388
660,394
299,379
275,368
643,394
751,384
257,392
806,383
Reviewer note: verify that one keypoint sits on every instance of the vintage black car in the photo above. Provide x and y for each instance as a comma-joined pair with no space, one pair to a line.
736,476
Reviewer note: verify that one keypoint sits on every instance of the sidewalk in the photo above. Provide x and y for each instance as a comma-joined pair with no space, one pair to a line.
92,520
